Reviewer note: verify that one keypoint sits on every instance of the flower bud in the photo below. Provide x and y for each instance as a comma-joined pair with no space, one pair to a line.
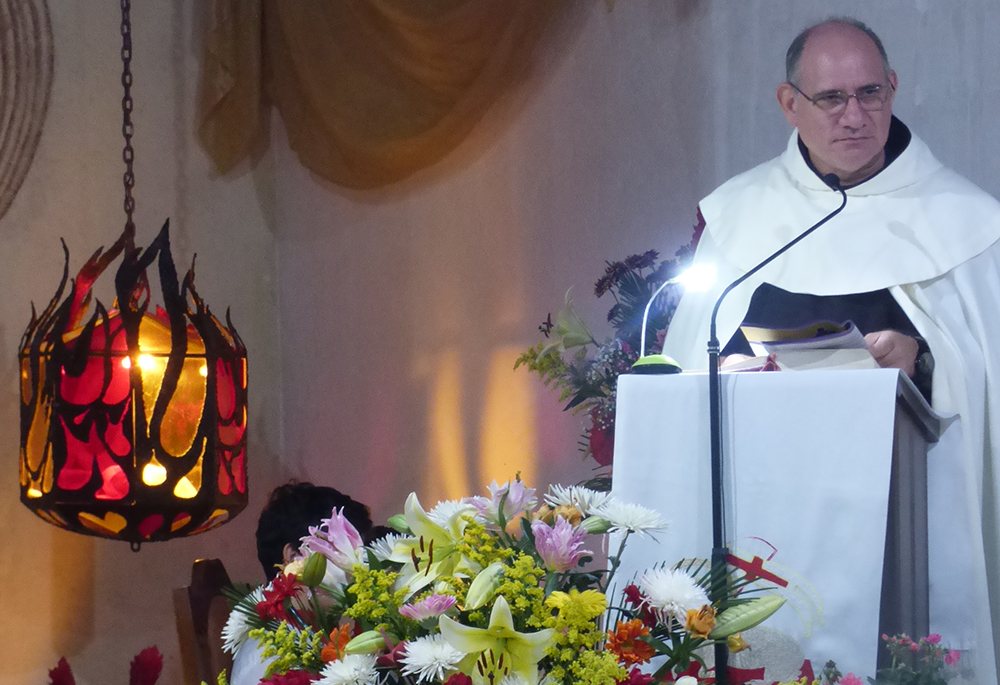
595,524
368,642
398,524
742,617
483,586
314,570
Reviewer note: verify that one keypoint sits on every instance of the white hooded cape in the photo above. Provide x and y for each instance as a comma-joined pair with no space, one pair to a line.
930,237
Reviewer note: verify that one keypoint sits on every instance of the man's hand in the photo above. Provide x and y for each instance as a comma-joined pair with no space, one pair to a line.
893,350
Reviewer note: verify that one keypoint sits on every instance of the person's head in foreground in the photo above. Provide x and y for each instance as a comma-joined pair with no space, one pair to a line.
289,512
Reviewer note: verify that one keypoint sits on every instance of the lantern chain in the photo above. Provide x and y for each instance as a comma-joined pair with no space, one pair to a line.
128,154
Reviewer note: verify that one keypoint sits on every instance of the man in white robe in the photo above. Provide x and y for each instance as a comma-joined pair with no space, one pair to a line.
910,226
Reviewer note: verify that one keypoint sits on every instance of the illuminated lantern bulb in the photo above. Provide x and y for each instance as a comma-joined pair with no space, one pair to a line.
146,362
154,473
203,371
127,363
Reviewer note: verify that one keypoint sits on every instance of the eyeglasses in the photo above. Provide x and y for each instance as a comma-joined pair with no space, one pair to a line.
870,98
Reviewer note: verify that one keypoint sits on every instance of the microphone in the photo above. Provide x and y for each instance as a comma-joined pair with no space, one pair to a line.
720,552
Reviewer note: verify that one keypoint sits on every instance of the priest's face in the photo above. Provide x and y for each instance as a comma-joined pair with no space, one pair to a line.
845,139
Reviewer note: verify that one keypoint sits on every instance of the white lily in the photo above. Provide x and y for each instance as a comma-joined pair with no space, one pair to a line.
498,650
430,552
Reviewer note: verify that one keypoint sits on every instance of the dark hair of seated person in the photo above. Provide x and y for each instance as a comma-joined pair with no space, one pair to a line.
289,512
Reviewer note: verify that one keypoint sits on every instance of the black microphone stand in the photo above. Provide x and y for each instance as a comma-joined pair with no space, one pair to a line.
720,552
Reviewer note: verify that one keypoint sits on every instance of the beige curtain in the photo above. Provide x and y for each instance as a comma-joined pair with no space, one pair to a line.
370,90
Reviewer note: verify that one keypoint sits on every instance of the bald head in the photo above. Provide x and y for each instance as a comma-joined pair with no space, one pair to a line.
794,54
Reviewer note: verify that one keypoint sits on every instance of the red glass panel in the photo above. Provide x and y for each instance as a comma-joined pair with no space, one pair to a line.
115,434
79,465
150,525
231,434
85,388
225,390
225,482
115,485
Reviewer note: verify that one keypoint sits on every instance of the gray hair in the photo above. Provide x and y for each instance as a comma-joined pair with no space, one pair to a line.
794,53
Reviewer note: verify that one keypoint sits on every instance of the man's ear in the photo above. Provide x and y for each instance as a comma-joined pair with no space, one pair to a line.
788,103
893,80
288,553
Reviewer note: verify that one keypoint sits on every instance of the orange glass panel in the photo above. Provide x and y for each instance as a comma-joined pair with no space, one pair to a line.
111,523
152,379
47,474
189,486
218,517
51,517
26,380
179,522
183,415
38,435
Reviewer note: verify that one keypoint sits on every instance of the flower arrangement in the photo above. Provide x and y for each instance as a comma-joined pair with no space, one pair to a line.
490,590
586,371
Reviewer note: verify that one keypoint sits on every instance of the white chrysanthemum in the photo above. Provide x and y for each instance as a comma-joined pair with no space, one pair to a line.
448,510
630,517
430,658
237,626
584,499
671,592
353,669
382,548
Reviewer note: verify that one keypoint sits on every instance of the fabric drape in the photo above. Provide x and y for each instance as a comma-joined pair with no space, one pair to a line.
370,91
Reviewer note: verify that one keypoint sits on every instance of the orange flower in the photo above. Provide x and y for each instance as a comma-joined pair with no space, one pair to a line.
571,514
700,622
333,650
626,645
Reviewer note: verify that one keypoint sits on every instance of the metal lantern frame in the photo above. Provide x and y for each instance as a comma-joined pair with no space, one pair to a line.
133,422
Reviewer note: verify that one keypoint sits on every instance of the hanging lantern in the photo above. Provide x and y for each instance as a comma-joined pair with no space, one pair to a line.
133,421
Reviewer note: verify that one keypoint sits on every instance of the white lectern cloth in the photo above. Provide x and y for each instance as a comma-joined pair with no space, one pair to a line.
808,458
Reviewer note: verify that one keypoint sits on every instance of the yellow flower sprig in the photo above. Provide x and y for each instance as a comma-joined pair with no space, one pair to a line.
376,603
292,648
576,635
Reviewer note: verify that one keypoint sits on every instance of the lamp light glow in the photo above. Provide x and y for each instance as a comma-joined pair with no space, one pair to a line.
698,278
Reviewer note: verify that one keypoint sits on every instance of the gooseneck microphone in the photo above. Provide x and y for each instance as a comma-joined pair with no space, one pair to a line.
720,551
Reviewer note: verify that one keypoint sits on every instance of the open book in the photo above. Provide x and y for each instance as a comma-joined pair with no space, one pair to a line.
820,345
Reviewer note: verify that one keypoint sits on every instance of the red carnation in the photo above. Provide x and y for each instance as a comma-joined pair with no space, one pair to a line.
636,677
272,607
146,667
634,597
294,677
459,679
602,444
62,674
